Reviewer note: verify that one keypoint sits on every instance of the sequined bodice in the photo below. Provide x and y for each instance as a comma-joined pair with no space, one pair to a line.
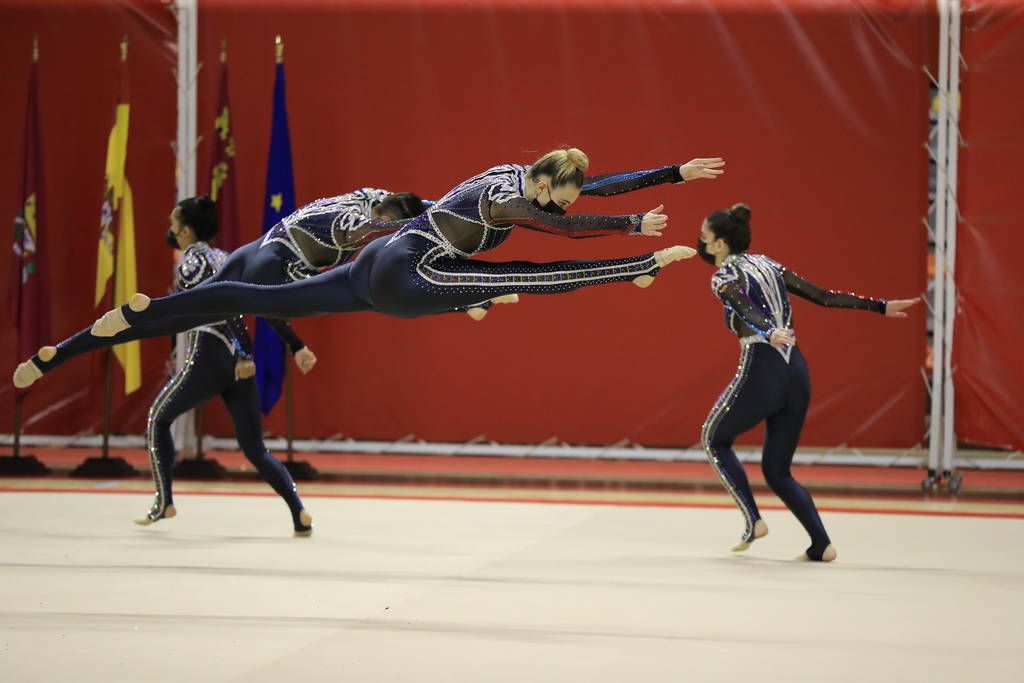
316,232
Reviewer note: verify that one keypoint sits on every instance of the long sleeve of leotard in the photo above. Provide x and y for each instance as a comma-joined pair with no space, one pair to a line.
518,211
826,297
735,298
243,342
618,183
283,329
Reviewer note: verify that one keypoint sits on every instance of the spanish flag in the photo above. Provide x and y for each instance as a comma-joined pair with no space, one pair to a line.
116,255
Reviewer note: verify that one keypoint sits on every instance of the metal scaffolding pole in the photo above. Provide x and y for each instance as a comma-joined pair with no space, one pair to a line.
949,445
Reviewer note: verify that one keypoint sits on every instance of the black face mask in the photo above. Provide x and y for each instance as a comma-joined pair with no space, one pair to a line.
171,241
550,207
702,252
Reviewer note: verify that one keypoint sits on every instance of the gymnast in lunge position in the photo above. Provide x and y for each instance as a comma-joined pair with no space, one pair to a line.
218,362
321,234
426,267
772,383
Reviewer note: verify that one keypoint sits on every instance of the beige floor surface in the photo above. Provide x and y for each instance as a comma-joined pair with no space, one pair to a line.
435,590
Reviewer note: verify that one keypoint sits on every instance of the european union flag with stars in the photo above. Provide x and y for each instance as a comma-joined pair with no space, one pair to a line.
279,202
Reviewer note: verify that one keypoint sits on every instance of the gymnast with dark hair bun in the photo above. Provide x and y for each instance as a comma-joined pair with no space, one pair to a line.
218,362
772,384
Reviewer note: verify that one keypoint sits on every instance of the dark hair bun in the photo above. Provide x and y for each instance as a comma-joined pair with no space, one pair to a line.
740,212
402,205
199,214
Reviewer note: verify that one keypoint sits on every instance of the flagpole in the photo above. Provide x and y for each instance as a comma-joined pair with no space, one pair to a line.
108,389
16,463
288,414
108,382
104,466
301,470
17,427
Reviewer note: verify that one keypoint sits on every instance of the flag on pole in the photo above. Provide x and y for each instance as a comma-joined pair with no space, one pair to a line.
29,292
222,165
116,254
279,202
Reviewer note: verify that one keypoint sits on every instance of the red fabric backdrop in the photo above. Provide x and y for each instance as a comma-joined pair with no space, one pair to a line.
989,379
78,70
821,114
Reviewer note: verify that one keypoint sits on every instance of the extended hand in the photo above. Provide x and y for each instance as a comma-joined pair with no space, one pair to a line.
654,222
894,308
695,169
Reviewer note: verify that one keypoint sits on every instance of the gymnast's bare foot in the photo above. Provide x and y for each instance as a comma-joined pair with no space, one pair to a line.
112,322
664,257
155,514
829,554
760,531
304,524
478,313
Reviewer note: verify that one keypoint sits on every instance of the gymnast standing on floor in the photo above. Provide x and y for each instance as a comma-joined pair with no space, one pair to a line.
426,267
218,362
772,384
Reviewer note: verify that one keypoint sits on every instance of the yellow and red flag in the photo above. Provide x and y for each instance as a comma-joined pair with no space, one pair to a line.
116,253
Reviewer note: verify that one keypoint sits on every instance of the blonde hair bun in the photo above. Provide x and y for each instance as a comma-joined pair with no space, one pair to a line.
577,158
563,166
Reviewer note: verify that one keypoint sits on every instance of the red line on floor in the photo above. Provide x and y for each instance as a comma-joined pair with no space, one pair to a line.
560,468
495,499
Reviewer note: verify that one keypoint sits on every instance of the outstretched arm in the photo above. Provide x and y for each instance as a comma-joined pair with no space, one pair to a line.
826,297
518,211
617,183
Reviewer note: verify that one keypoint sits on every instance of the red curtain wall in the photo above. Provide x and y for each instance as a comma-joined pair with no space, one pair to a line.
821,112
989,379
78,71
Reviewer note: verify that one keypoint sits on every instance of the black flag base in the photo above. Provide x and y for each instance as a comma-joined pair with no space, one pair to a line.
200,468
22,466
301,470
99,467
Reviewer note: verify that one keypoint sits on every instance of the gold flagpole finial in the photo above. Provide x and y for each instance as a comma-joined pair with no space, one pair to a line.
279,49
124,48
223,50
35,48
